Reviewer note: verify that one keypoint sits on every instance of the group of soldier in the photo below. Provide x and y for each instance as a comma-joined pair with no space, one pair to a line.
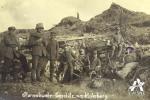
44,49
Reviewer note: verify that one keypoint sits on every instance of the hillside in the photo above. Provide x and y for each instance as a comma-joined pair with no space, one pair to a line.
133,24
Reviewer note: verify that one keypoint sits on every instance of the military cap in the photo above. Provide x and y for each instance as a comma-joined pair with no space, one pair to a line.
130,48
11,28
39,25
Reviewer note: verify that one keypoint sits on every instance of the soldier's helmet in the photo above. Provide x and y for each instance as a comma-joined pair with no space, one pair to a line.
39,26
11,28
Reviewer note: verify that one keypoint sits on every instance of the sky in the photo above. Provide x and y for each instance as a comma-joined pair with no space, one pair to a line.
26,14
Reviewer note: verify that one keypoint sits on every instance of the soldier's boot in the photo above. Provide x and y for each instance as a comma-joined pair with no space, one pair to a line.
51,77
24,76
33,75
51,74
42,73
71,71
43,67
38,75
35,62
120,52
15,79
14,74
113,51
51,71
3,79
71,76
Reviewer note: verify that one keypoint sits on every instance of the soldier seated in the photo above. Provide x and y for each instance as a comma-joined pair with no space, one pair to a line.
83,60
95,64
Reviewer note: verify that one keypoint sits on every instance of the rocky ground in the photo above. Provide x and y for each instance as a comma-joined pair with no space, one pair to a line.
107,89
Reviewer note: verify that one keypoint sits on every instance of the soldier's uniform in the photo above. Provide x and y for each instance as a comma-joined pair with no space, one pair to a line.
52,49
10,48
67,59
38,43
130,56
84,62
117,42
95,64
95,61
139,54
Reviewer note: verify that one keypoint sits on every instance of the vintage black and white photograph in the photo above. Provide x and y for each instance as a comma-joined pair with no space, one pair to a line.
74,50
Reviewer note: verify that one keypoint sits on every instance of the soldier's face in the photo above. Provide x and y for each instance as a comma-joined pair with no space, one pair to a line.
53,36
12,31
40,30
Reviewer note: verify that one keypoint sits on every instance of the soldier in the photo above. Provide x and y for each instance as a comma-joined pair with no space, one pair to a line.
38,43
130,55
81,57
10,50
84,61
117,42
52,49
95,61
129,63
95,64
68,59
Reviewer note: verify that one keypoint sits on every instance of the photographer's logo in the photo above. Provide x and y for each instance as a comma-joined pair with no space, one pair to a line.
137,87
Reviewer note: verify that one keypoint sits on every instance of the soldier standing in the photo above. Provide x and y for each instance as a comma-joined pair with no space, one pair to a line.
38,43
52,49
10,50
68,57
